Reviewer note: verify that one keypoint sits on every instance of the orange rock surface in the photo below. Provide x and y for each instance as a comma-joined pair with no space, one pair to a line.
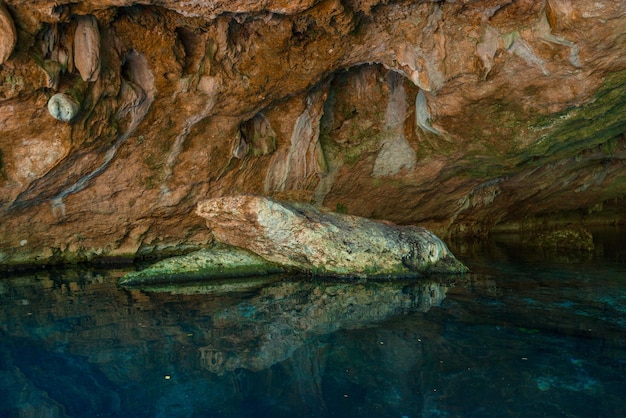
457,116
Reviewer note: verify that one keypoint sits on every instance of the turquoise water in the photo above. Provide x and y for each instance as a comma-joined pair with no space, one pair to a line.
526,334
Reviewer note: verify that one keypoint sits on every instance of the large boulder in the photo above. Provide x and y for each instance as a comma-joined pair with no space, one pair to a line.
306,238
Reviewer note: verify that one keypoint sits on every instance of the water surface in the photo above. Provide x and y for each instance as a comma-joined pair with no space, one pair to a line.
527,333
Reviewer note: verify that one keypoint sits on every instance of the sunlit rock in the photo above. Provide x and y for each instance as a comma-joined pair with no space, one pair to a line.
8,34
325,243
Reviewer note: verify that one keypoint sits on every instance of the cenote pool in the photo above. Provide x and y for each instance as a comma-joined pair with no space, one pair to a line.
525,334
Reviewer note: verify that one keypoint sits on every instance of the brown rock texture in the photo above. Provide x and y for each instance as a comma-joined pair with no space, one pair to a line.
87,48
458,116
8,34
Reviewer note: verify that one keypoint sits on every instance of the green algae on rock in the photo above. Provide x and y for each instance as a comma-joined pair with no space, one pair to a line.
566,239
217,262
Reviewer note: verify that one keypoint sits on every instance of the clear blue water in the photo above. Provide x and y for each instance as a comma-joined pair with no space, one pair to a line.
526,334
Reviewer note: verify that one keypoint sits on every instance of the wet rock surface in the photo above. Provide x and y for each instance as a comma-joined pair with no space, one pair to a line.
458,116
8,34
325,243
218,262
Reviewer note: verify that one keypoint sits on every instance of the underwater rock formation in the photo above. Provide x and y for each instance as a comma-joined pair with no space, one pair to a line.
462,117
325,243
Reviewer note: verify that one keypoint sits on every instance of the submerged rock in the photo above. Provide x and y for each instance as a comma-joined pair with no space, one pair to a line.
217,262
303,237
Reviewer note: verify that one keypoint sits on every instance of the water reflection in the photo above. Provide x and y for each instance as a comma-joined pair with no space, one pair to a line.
76,336
522,335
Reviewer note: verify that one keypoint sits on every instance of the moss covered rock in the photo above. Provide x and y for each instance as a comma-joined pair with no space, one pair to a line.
212,263
566,239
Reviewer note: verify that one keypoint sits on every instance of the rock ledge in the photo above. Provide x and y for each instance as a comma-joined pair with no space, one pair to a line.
219,261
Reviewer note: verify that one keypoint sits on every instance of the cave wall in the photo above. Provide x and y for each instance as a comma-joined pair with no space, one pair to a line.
117,117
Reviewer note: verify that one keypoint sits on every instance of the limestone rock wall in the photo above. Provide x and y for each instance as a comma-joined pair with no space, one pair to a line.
458,116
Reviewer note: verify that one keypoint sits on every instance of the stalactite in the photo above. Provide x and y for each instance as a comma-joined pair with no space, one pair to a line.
87,48
140,75
304,159
8,34
487,47
422,116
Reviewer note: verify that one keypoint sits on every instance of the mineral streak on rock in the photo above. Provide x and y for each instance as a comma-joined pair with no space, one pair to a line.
304,157
87,48
396,152
8,34
325,243
211,88
63,107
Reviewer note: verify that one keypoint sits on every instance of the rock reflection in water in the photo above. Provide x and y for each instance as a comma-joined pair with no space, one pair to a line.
268,327
74,344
